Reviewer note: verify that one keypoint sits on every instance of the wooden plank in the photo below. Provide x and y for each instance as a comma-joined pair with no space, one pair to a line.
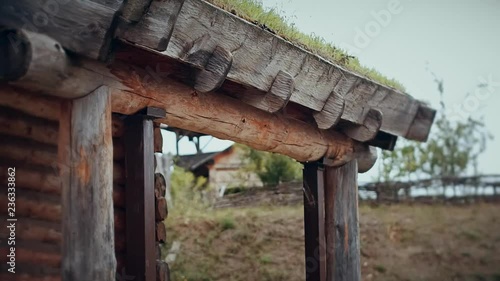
314,210
140,219
83,27
88,227
341,223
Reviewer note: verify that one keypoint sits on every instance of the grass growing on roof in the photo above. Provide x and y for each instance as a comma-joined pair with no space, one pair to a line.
253,11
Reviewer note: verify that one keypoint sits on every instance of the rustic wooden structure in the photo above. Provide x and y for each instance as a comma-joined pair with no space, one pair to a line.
85,85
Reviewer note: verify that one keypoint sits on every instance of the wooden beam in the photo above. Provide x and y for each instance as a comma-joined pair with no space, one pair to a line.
83,27
228,118
341,223
314,219
39,63
86,154
140,198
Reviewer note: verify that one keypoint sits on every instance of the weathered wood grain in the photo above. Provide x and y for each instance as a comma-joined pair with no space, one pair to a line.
161,209
367,159
157,139
88,225
422,123
341,223
24,151
37,180
154,27
29,103
277,97
36,253
211,77
367,130
329,116
259,55
83,27
235,121
139,188
43,66
30,205
118,195
314,218
162,271
18,124
161,232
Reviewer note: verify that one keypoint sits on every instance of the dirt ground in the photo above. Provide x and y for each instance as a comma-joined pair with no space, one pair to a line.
398,242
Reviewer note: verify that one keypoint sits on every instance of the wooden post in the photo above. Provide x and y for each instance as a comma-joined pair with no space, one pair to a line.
140,197
315,249
342,226
86,154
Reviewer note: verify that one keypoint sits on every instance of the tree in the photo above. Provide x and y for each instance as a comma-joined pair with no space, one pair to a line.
272,168
453,149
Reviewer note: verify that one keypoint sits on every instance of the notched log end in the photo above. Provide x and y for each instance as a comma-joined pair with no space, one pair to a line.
213,75
422,123
15,50
366,131
332,111
366,157
280,92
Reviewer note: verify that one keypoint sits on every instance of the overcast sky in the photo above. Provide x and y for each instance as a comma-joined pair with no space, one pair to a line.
458,40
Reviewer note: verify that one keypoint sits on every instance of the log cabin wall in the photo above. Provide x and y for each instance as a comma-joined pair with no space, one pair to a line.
29,125
119,190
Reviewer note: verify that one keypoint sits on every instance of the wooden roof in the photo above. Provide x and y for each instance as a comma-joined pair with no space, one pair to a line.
218,49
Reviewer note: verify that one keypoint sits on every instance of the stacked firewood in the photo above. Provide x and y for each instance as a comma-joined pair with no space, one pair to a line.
161,213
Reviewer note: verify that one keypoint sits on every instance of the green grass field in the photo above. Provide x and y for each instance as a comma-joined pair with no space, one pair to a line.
398,242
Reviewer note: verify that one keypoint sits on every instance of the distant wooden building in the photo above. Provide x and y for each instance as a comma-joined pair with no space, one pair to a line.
85,86
223,169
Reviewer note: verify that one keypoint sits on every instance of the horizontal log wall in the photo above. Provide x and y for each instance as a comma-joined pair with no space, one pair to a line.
28,135
119,191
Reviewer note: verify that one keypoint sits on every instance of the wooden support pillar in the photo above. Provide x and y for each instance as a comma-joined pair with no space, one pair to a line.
341,223
315,246
140,197
86,168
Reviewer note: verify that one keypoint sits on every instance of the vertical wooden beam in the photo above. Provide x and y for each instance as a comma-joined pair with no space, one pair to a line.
315,246
140,197
86,158
342,226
